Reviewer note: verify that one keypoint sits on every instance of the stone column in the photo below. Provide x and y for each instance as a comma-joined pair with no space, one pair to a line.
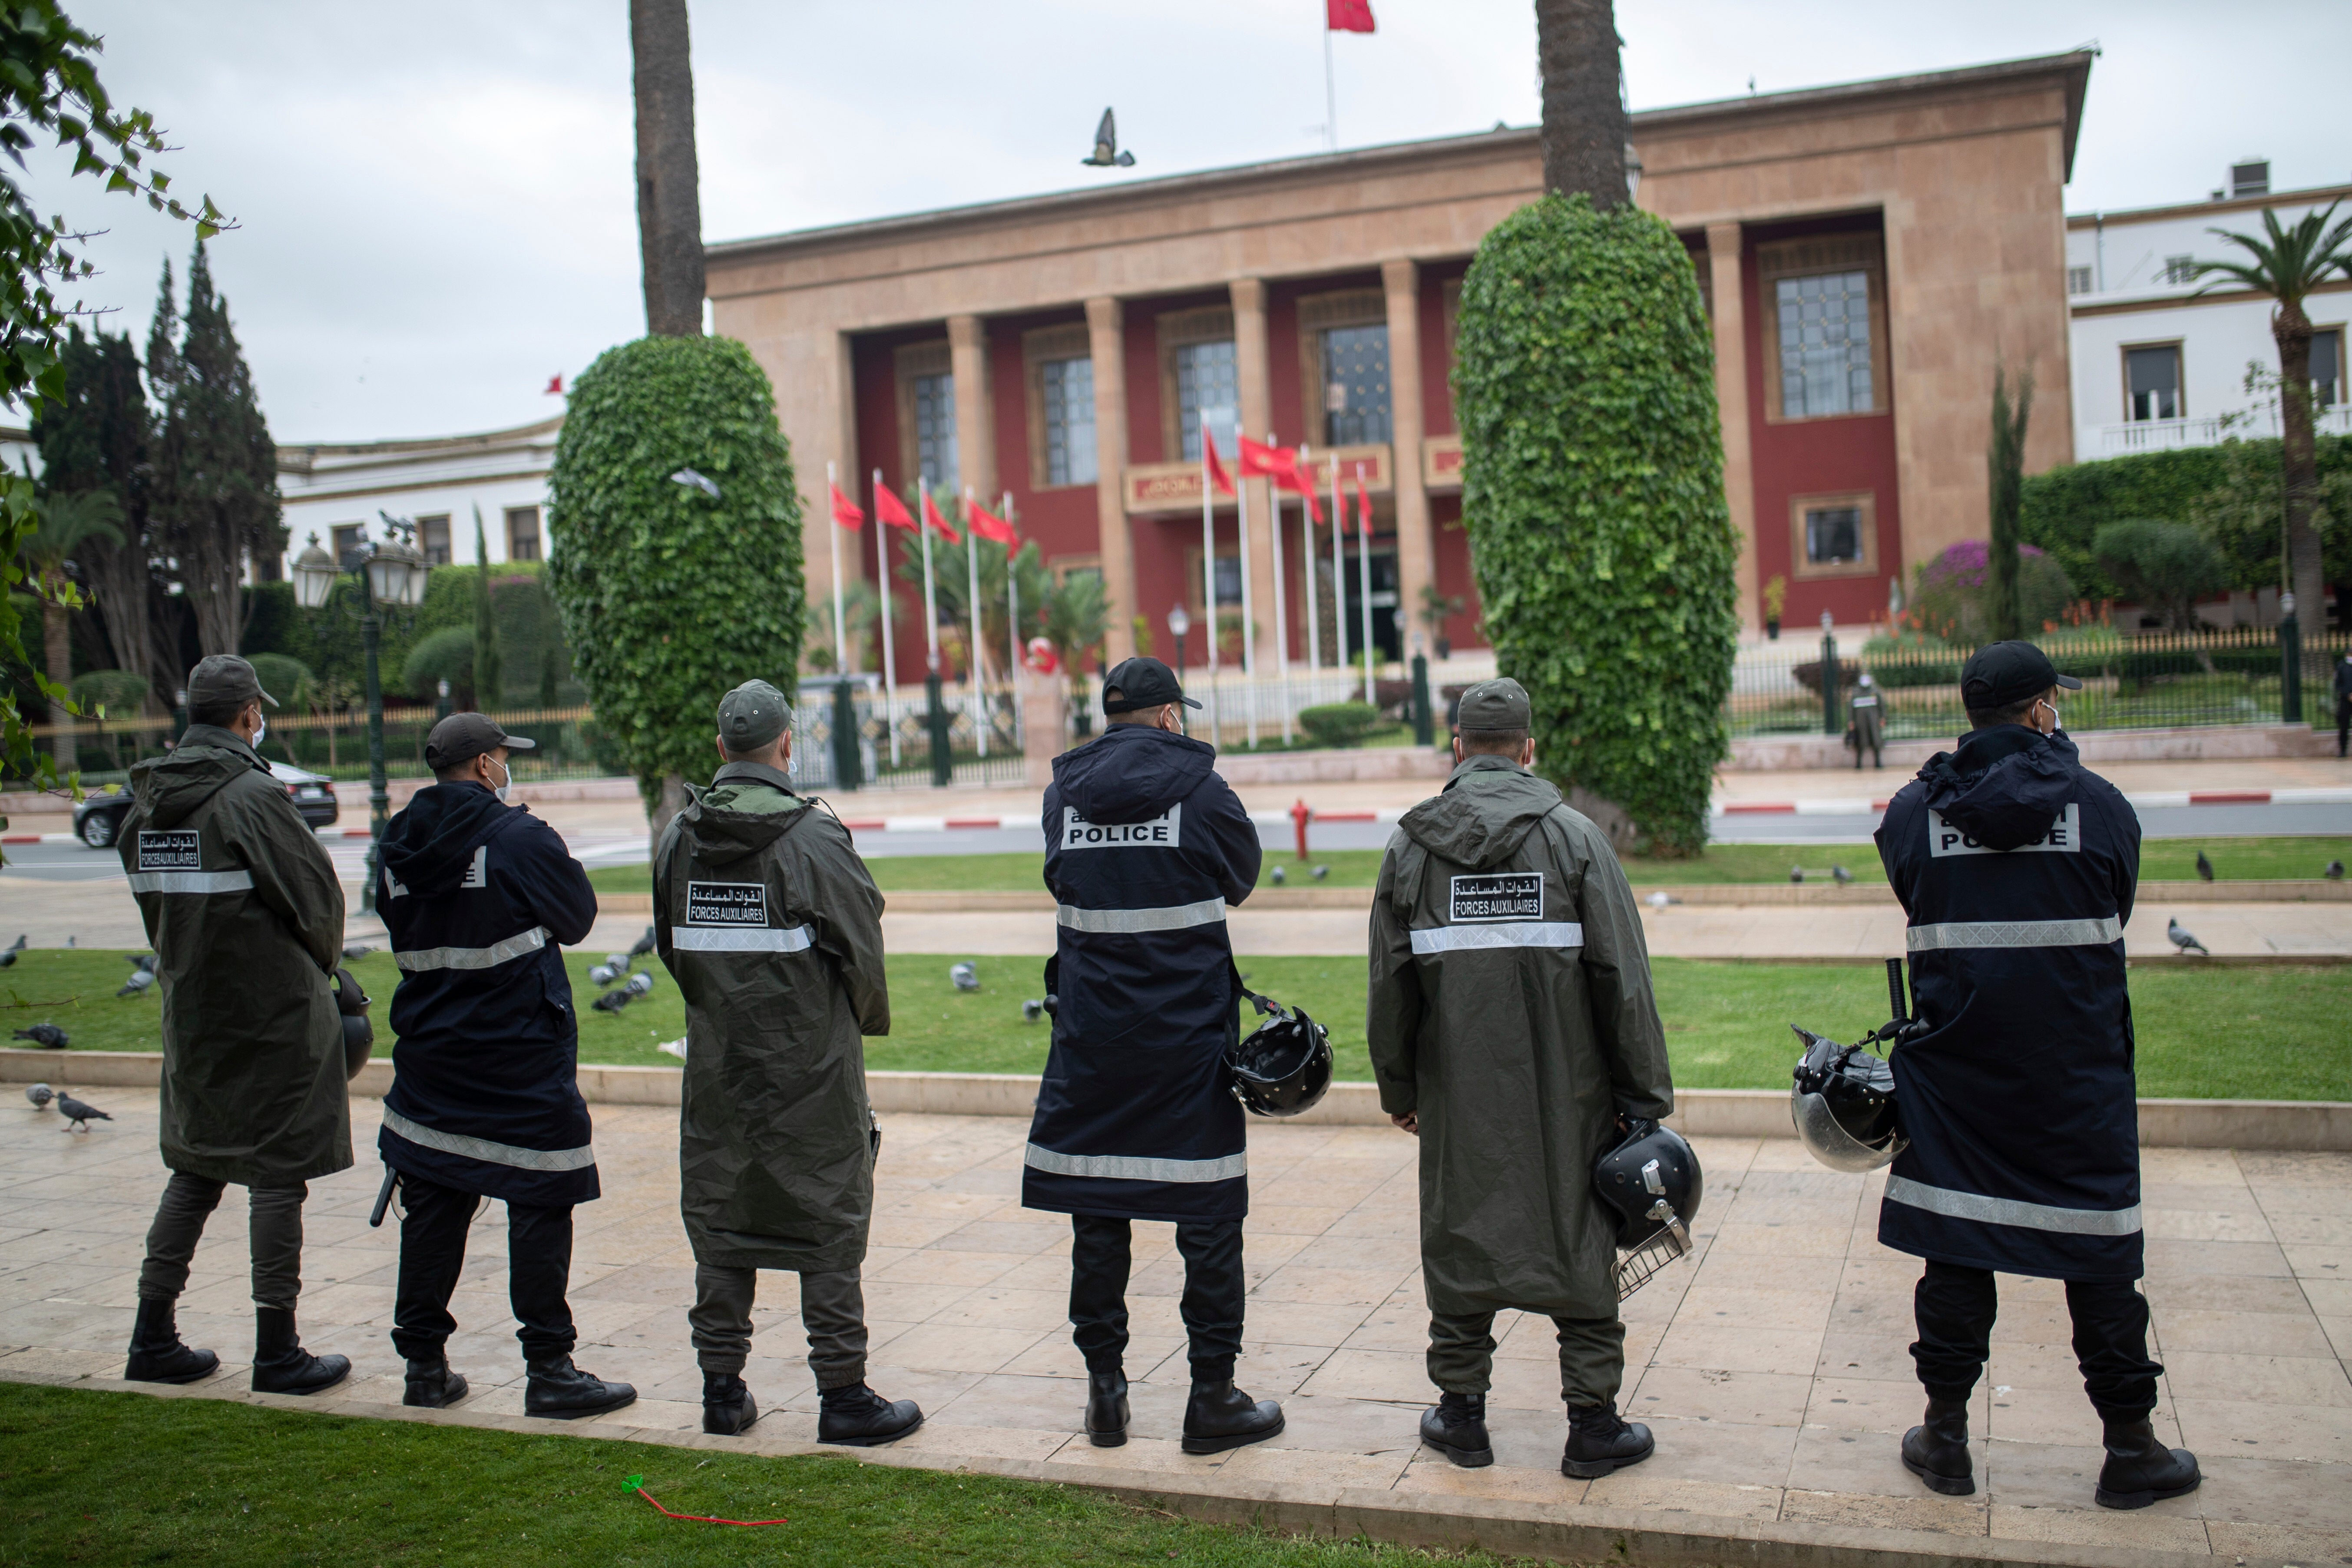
975,431
1723,257
1107,343
1253,374
1416,550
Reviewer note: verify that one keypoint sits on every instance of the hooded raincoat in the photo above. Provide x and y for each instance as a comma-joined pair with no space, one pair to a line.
1510,1009
1145,846
2016,867
773,928
246,919
477,896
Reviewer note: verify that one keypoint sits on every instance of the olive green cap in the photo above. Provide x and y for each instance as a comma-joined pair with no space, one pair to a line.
753,716
1499,704
222,678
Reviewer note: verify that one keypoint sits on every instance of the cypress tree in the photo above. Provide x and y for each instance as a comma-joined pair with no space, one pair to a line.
2005,466
490,661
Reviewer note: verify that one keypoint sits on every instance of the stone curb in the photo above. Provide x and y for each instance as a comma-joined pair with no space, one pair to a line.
2310,1126
1566,1533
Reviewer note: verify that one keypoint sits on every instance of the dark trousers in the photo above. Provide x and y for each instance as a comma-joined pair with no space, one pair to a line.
274,1234
1956,1306
433,1254
2343,724
1100,1260
1591,1355
832,1310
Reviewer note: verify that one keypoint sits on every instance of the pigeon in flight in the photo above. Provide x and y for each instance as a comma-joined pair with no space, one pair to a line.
49,1036
79,1114
2334,870
965,976
9,956
694,481
2183,941
2204,867
1106,152
40,1094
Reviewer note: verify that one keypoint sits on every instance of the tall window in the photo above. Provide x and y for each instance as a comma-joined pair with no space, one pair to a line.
522,534
1205,379
2327,368
347,538
2078,279
1068,400
2152,382
2179,269
1825,358
935,429
1355,385
433,538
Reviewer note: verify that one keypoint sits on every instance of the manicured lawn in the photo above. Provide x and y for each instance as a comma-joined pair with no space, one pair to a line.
2233,1033
102,1477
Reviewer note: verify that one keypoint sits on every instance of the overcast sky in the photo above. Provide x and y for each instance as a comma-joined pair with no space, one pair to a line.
436,199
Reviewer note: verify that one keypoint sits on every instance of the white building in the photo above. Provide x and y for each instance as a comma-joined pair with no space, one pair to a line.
2160,360
335,491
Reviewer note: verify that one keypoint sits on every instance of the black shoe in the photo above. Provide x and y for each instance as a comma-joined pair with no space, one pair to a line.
728,1406
280,1365
1457,1427
861,1418
1220,1416
2140,1470
1938,1452
156,1353
560,1391
1107,1409
1599,1443
432,1386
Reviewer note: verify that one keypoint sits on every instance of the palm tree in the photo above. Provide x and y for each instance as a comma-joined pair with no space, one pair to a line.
67,523
2287,264
669,204
1076,614
1583,100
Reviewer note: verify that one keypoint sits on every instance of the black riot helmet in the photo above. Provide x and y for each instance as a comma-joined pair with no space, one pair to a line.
359,1034
1842,1103
1652,1186
1283,1068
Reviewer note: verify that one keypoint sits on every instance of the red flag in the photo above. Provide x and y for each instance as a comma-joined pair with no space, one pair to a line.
932,515
844,510
1303,487
987,525
1364,505
888,510
554,386
1280,461
1349,15
1224,480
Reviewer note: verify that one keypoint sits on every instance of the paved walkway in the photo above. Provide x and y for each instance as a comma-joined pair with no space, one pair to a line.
1772,1368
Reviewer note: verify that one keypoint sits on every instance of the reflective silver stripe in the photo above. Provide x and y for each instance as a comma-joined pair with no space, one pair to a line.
740,938
2014,934
1518,933
2010,1211
1137,1167
482,1149
489,957
1208,911
191,882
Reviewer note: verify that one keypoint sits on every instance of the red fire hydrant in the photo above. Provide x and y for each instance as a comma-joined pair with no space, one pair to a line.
1301,813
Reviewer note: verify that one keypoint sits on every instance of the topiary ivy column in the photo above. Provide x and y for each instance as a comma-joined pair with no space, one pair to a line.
1592,490
671,597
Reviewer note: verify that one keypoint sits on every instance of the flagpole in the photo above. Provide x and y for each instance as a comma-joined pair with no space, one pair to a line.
1364,575
840,642
930,598
889,648
1330,93
1209,585
1249,620
1338,577
1307,569
1281,617
971,563
1013,619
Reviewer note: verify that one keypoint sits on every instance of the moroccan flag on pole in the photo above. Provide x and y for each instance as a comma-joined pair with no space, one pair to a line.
1349,15
932,515
890,509
1217,475
987,525
844,510
1302,488
1278,461
1363,505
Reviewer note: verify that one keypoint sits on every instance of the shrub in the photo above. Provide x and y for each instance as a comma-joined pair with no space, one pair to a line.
120,691
1339,723
1592,491
1952,596
2166,566
281,675
446,655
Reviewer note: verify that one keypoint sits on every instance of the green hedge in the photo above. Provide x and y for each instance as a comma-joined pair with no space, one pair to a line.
1339,723
1592,492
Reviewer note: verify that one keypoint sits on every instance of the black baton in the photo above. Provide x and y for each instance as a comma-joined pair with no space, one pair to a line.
383,1198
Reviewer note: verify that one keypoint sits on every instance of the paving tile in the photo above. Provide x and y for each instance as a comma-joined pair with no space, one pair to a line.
2143,1530
2258,1379
1759,1398
1644,1489
1950,1516
2311,1434
2289,1542
2275,1491
1436,1477
940,1347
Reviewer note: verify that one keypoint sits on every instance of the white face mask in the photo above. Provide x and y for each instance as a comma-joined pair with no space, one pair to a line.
260,727
506,788
2055,724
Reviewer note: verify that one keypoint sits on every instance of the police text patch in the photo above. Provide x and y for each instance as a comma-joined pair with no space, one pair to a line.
169,850
1498,896
1159,832
726,904
2065,838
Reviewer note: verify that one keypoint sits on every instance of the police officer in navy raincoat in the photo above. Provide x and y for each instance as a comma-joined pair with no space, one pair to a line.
477,896
2017,867
1145,847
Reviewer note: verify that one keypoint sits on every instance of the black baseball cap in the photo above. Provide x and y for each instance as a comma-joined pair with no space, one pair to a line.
2002,673
462,737
1141,683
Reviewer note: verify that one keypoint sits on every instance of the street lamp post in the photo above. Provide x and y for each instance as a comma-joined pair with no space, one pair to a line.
391,573
1179,623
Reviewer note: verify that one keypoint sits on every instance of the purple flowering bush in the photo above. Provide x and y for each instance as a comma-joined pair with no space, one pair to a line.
1951,596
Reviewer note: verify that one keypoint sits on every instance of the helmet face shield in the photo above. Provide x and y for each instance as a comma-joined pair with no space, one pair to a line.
1842,1103
1651,1186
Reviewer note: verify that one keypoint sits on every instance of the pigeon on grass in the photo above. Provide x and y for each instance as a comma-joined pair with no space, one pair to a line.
640,985
614,967
1321,872
965,976
8,957
2183,941
2204,867
1841,876
1280,877
49,1036
645,944
356,951
142,981
79,1114
2334,872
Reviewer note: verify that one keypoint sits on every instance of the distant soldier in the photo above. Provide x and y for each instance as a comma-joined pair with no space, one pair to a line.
768,920
1865,723
2342,702
246,919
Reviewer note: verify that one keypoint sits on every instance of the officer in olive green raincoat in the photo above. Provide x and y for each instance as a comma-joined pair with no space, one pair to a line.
246,920
1512,1027
767,917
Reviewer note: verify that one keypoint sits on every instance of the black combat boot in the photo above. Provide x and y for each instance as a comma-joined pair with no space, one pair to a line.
280,1365
1107,1409
1599,1443
1220,1416
1457,1427
560,1391
431,1385
1938,1451
156,1353
2139,1469
728,1406
860,1418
